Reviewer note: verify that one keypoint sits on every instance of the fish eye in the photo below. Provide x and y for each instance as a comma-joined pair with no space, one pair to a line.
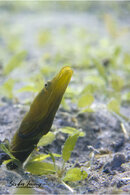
46,85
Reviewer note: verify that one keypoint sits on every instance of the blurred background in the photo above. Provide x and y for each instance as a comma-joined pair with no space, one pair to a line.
38,38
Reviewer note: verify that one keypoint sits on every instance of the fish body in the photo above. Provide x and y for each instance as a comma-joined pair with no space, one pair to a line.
38,121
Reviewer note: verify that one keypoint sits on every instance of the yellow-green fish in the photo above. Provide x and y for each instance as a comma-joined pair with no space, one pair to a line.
38,121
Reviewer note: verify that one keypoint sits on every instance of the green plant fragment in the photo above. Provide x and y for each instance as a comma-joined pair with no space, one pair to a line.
85,100
84,174
42,157
69,146
56,155
110,25
39,157
14,62
44,37
95,80
89,110
126,61
28,88
7,161
70,93
100,68
46,139
47,70
13,159
52,157
117,51
3,147
126,97
40,168
14,43
117,83
114,106
7,88
71,130
90,88
75,174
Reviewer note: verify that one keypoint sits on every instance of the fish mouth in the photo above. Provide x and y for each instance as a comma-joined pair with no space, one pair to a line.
60,83
63,78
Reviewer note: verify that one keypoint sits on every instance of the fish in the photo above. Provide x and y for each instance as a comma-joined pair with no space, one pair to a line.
38,120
